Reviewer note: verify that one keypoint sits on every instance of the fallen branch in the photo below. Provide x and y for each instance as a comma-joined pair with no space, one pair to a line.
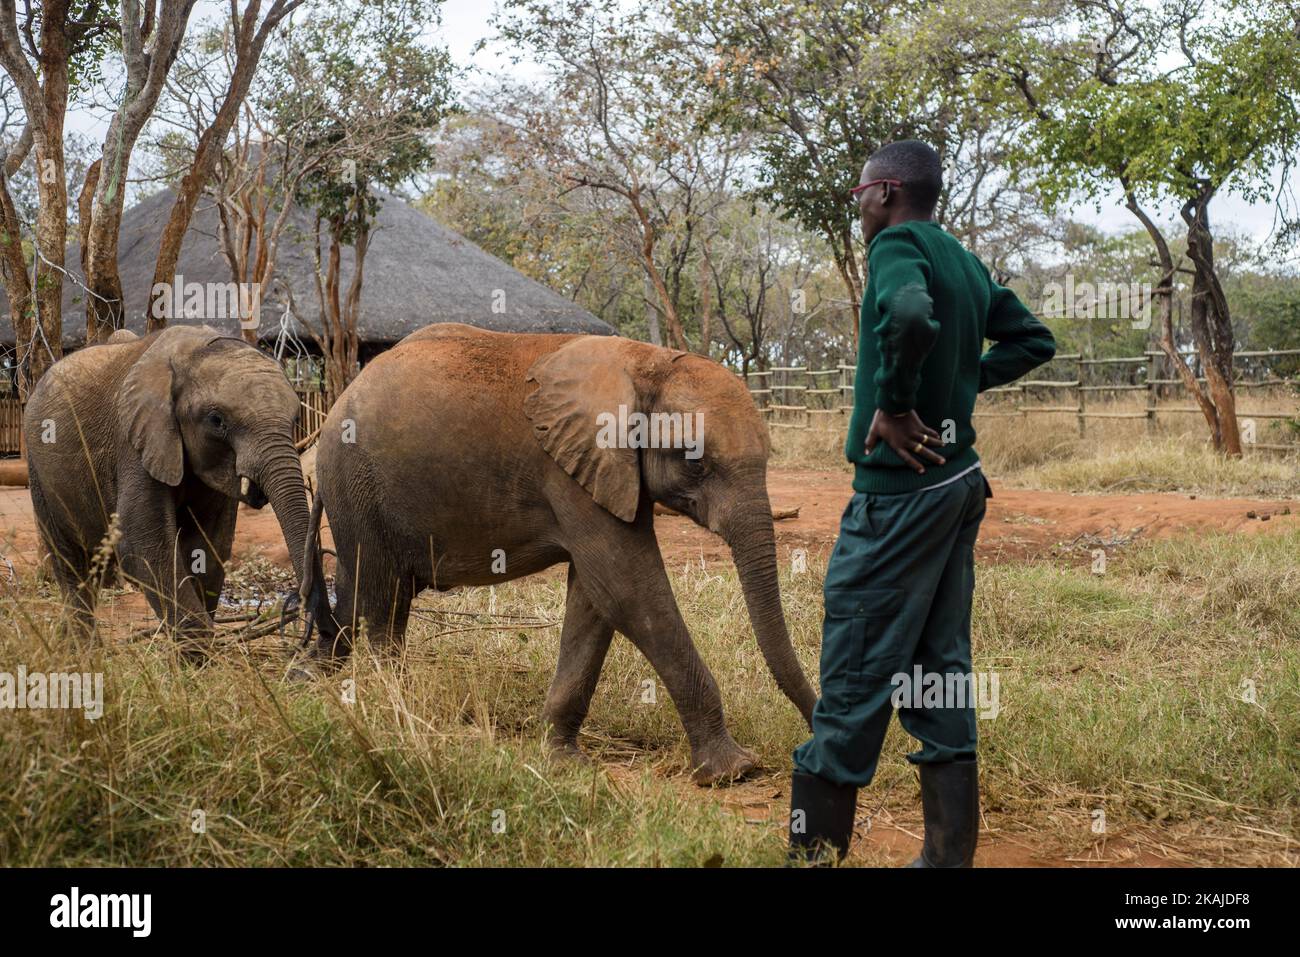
305,443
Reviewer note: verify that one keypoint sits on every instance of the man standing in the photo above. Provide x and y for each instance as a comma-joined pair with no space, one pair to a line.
900,580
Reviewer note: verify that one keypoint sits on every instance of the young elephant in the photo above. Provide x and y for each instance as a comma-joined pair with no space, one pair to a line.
170,432
465,457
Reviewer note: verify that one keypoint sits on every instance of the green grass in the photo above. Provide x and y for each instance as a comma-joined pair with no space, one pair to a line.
1121,692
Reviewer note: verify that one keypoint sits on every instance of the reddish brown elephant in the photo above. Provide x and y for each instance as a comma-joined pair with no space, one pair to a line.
465,457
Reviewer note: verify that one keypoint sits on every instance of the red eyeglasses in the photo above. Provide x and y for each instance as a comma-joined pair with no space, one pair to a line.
858,189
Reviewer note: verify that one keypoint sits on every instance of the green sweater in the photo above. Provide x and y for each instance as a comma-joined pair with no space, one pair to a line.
928,307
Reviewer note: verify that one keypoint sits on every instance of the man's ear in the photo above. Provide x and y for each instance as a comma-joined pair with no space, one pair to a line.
579,385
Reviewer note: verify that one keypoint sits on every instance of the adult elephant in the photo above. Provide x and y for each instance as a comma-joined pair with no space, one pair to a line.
466,457
169,432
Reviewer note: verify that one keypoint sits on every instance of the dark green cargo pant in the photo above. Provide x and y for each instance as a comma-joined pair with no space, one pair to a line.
898,595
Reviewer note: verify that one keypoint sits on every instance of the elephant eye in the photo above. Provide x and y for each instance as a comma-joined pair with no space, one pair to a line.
215,422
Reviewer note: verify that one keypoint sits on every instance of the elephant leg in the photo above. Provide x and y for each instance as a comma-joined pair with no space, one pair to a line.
172,592
584,641
156,556
623,575
371,592
384,604
214,537
70,566
80,590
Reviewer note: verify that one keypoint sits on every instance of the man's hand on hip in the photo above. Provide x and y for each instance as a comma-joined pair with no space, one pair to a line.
907,435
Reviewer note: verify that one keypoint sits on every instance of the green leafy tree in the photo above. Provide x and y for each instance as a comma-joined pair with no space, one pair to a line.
1174,103
822,84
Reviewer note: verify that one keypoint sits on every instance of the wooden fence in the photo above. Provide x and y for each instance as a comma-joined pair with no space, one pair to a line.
788,403
11,426
796,397
312,409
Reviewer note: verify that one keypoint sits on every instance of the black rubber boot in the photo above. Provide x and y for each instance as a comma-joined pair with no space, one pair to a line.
822,833
950,797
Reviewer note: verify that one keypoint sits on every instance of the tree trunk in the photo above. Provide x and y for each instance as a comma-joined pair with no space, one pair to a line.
208,151
651,313
18,288
840,238
104,307
1211,323
146,71
706,305
1165,293
676,335
46,347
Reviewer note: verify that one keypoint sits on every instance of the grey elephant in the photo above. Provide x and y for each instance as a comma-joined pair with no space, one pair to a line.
169,432
466,457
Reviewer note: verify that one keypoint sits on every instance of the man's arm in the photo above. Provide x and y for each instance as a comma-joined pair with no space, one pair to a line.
1020,341
907,329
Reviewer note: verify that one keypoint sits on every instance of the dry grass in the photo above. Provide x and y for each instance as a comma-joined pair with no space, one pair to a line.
1046,451
1121,692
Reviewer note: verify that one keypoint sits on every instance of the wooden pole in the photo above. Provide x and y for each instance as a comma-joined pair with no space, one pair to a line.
1152,393
1079,391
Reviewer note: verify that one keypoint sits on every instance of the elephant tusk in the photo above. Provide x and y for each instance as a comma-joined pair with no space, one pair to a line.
243,486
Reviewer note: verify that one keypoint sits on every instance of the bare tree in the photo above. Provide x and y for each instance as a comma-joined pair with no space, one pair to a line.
613,125
149,48
361,92
245,39
39,70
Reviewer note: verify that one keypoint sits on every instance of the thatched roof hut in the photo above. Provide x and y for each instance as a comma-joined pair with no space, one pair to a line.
417,272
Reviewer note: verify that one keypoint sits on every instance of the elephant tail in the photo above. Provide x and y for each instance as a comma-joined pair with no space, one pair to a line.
311,550
313,575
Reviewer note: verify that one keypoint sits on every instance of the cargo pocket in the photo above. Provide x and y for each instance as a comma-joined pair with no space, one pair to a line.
859,637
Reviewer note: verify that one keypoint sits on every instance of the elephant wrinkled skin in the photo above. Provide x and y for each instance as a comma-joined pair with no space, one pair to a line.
467,457
169,432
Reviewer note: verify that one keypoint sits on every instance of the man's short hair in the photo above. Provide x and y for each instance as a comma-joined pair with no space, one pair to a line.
916,165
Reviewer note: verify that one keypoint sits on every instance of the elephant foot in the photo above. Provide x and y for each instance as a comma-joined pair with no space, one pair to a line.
195,653
301,672
312,667
317,662
722,764
567,750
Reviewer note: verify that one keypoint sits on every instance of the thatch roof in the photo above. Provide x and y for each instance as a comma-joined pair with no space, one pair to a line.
417,272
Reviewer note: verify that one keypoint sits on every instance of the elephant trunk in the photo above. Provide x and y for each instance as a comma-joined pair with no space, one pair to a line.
747,529
280,477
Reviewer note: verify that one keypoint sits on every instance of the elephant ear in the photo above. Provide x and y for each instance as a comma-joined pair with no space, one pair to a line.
574,412
146,405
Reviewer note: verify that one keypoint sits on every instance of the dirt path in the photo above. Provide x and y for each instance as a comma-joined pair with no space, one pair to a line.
891,836
1021,523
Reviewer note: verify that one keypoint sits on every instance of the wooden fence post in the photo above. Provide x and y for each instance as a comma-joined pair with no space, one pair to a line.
1152,392
1081,393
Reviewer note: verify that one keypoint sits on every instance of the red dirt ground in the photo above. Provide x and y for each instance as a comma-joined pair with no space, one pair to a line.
1020,524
